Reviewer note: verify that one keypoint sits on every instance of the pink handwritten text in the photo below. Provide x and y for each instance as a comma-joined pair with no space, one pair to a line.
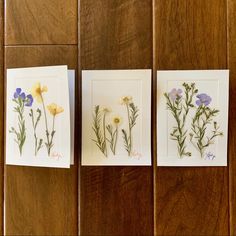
56,156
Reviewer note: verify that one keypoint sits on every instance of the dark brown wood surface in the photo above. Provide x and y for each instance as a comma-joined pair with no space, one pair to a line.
41,22
191,35
232,113
1,116
116,200
41,201
120,34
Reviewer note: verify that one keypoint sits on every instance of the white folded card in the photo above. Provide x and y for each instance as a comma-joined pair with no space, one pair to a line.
192,117
71,80
38,129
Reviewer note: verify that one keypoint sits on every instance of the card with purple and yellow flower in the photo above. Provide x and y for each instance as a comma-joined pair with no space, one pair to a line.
38,117
192,117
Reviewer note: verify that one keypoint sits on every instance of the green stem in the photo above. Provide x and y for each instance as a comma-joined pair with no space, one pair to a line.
53,124
20,149
52,134
181,149
174,108
191,140
130,134
199,128
22,129
46,124
188,101
35,137
45,114
115,141
202,133
35,145
202,152
104,134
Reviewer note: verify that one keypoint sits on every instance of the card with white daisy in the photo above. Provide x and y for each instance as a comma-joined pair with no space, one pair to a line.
38,117
116,117
192,117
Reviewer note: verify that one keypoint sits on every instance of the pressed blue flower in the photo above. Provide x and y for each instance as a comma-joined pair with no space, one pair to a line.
22,96
29,100
19,94
175,93
203,99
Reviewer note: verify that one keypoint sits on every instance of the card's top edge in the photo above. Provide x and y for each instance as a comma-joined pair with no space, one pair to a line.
193,70
110,70
37,67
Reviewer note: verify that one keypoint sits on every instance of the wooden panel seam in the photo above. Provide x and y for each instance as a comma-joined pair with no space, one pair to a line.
154,117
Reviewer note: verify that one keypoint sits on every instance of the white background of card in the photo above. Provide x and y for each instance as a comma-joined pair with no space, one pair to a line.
211,82
56,79
105,88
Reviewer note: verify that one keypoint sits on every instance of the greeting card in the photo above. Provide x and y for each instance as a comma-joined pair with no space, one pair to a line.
38,117
116,119
192,118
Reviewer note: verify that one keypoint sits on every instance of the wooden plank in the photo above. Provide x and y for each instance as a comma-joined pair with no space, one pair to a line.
116,34
232,115
1,116
41,22
41,201
116,200
191,35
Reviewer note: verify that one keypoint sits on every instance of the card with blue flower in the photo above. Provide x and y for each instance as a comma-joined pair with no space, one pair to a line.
38,117
192,117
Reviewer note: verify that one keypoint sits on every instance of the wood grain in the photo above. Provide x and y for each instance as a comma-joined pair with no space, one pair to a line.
116,34
41,22
191,35
1,116
232,115
41,201
116,200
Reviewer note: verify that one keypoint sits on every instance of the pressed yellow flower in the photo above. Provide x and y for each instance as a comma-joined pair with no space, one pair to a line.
117,120
37,91
126,100
54,109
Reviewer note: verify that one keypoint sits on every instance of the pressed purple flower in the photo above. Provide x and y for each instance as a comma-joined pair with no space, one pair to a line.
22,96
19,94
203,99
29,100
175,93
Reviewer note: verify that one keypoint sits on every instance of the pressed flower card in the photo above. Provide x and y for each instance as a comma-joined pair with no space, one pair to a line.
71,80
192,117
38,117
116,119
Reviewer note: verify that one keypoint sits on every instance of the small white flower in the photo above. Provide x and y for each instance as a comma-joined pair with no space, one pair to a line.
126,100
106,109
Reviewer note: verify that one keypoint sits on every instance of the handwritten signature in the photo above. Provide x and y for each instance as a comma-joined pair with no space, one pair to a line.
209,156
56,156
136,154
